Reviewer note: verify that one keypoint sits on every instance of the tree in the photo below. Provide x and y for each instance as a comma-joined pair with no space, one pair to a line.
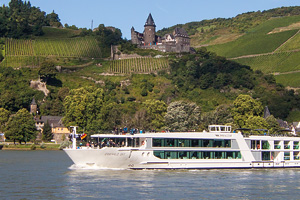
156,110
111,115
244,108
221,115
21,127
53,20
182,116
20,20
273,124
256,122
83,107
4,116
47,132
47,70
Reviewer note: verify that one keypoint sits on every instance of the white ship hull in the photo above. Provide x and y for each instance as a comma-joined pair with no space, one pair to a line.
139,159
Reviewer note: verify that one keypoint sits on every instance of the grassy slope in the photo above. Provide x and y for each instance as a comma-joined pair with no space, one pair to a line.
55,33
293,44
258,40
291,80
285,59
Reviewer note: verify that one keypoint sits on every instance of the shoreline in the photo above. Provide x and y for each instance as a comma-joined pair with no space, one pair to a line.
28,147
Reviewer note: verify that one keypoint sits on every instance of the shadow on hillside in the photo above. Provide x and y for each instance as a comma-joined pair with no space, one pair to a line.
54,82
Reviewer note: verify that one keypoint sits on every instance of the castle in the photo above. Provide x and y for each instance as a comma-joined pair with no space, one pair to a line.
178,41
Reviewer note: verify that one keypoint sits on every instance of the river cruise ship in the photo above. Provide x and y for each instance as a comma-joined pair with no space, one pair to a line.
218,148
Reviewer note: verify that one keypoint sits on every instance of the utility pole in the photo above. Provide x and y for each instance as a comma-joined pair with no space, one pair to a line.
92,25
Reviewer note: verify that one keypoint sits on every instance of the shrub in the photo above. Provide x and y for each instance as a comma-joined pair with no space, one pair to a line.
43,146
33,147
144,92
131,98
64,144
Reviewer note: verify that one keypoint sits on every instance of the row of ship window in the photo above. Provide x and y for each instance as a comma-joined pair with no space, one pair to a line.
264,144
198,154
170,142
267,155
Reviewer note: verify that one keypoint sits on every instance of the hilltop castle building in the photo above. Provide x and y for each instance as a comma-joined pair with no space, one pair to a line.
178,41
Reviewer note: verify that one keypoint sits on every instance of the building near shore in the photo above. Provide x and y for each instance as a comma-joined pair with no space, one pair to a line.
59,131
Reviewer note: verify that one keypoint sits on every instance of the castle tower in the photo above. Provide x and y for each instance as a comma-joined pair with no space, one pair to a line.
149,32
134,36
33,107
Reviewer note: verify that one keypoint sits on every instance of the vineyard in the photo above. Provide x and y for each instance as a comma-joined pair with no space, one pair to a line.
291,80
258,40
138,65
20,53
277,62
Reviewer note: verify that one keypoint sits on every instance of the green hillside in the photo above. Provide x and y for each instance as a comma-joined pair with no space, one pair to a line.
264,40
272,46
259,39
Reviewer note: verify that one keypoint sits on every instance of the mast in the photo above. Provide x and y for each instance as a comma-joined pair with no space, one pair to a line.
74,136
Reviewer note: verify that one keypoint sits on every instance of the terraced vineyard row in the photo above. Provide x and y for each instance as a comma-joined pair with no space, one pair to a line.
15,47
76,47
138,65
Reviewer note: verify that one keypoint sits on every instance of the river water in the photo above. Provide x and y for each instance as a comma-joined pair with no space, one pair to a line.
52,175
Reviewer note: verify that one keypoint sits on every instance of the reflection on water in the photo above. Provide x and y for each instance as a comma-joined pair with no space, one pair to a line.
51,175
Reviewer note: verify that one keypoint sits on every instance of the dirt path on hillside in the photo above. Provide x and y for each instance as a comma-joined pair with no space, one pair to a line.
83,65
285,42
262,54
281,73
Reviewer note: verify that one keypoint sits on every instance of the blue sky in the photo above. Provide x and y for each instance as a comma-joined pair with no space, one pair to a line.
124,14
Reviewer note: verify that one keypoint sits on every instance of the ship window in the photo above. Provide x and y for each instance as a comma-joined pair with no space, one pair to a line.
167,154
227,143
218,155
170,142
182,155
218,143
157,142
159,154
183,143
296,145
286,155
276,145
196,143
206,155
286,145
205,143
265,144
296,155
174,154
194,155
266,155
255,144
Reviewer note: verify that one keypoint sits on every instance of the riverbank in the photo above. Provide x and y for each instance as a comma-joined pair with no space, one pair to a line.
30,147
